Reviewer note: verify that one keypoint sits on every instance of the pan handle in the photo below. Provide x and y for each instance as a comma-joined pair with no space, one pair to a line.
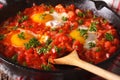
100,4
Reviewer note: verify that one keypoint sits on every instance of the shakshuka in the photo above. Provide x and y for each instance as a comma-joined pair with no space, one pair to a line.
39,34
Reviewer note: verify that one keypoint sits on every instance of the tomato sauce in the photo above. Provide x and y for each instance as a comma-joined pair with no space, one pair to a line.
42,33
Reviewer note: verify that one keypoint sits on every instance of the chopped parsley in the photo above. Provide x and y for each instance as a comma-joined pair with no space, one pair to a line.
42,16
83,32
57,49
80,21
98,49
24,64
14,57
94,16
51,10
48,42
93,27
64,18
23,18
14,27
104,20
60,31
47,67
2,36
81,14
33,42
49,48
91,44
109,37
52,29
30,26
43,49
21,35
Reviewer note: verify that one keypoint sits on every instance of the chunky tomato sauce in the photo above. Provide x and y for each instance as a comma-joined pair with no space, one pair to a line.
39,34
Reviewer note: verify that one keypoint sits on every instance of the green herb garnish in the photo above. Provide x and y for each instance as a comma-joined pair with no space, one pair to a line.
57,49
42,16
91,44
32,43
49,48
51,10
98,49
93,27
21,35
24,64
46,67
104,20
14,58
2,36
43,49
80,21
14,27
23,18
60,31
30,26
53,29
48,42
81,14
64,18
83,32
109,37
94,16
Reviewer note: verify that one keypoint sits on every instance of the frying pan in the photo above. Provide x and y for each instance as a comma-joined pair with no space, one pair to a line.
66,72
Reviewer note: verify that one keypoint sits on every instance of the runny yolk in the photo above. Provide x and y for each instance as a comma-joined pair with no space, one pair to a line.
41,17
18,42
76,35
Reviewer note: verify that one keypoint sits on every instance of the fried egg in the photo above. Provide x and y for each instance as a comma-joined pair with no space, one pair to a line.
57,21
75,34
19,42
41,17
53,20
91,36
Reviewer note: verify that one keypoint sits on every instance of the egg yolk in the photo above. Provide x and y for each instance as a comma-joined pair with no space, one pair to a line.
41,17
43,38
18,42
76,35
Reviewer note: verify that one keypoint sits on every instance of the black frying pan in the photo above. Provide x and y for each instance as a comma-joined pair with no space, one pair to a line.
65,73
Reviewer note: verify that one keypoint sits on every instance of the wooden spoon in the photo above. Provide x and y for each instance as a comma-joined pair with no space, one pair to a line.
74,60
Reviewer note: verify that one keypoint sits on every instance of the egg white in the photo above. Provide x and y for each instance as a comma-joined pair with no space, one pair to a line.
57,21
92,36
17,42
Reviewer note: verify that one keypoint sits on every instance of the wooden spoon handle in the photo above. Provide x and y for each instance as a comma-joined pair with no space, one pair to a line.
96,70
73,59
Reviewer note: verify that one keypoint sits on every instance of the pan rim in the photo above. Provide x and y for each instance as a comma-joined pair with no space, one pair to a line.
56,71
